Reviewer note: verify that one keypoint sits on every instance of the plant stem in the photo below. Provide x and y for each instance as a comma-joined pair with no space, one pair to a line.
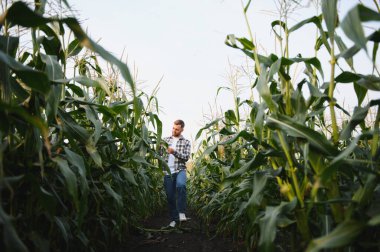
314,80
257,62
375,139
331,93
292,168
287,82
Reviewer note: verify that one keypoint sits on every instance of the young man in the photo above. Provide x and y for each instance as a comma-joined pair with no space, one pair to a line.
176,156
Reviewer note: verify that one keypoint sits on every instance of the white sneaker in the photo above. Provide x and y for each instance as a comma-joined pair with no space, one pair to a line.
182,217
172,224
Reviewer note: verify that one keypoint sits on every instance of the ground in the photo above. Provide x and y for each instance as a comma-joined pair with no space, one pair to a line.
189,236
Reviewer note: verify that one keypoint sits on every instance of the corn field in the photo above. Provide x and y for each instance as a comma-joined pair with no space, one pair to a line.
78,165
289,176
79,143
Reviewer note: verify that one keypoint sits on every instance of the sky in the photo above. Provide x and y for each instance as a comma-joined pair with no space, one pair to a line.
182,43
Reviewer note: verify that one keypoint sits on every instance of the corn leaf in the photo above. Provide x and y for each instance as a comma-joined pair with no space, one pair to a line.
352,27
128,174
11,239
295,129
34,79
70,179
268,224
342,235
330,15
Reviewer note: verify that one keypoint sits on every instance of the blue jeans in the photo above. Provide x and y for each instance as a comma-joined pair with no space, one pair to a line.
175,188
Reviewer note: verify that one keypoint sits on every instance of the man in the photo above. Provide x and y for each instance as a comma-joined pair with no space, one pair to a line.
176,156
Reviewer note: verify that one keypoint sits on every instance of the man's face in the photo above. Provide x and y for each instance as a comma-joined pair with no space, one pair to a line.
177,130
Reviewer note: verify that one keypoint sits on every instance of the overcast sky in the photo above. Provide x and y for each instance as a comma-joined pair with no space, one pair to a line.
183,42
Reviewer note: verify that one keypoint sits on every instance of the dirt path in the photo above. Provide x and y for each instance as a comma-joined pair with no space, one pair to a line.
188,236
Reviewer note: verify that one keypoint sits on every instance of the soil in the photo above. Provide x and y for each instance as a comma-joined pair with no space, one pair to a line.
189,236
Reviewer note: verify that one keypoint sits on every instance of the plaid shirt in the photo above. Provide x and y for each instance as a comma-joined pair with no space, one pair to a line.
181,153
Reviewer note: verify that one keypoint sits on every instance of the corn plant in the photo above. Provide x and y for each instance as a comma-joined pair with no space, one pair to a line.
78,166
291,179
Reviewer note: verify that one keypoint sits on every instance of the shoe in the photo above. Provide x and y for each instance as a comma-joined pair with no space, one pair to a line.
172,224
182,217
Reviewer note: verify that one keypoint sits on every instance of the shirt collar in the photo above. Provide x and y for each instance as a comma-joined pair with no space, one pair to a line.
180,137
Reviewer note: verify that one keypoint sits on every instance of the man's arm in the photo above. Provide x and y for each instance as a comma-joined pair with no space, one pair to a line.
184,152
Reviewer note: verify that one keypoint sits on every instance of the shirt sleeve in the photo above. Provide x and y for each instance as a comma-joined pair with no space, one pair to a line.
183,153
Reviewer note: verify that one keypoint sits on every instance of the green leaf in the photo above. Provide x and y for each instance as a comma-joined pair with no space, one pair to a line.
10,237
77,161
128,174
259,121
90,44
159,129
308,61
342,48
247,6
367,14
344,234
53,68
140,160
352,27
298,103
364,195
255,162
64,227
72,128
316,20
295,129
330,15
231,117
281,24
374,52
74,48
138,107
9,45
350,52
275,68
51,42
347,77
18,90
315,92
247,44
54,71
268,224
25,115
262,86
370,82
20,14
209,150
244,134
36,80
206,127
361,93
117,197
374,221
92,150
259,183
231,41
70,179
338,160
358,117
93,117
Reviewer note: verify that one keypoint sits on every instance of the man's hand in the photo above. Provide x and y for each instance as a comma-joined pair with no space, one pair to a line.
170,150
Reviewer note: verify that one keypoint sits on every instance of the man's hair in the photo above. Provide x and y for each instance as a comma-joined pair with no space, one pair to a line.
180,122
